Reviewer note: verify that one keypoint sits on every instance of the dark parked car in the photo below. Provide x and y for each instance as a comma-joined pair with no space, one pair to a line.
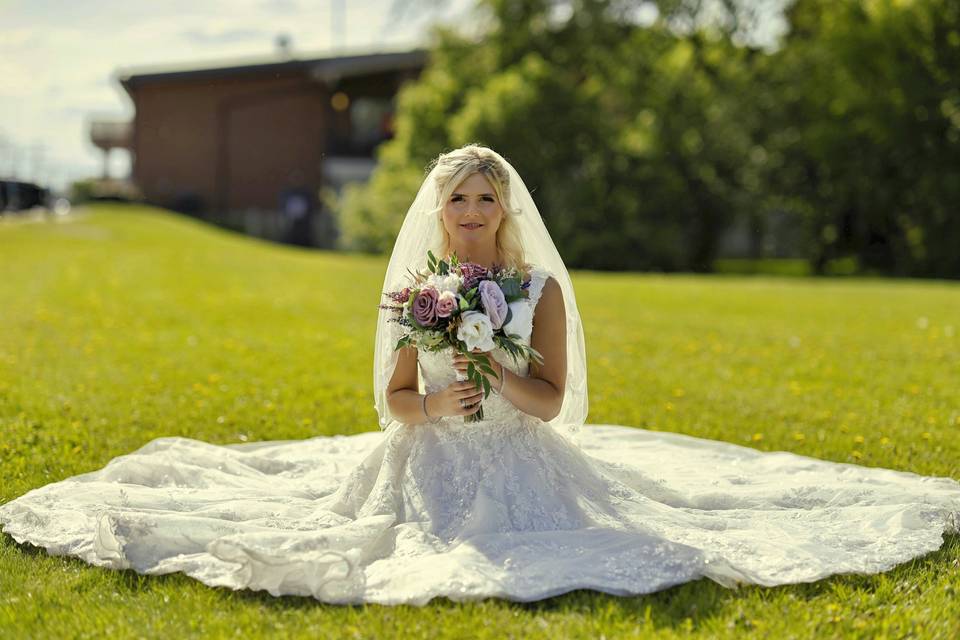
18,196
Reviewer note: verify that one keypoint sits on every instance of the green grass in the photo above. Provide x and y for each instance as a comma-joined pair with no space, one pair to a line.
129,323
767,266
784,266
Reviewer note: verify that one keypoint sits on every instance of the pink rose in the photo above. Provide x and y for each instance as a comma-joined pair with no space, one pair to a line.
494,304
425,307
446,304
472,273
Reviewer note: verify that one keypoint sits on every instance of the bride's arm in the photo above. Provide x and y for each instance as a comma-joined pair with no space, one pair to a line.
541,394
403,393
407,404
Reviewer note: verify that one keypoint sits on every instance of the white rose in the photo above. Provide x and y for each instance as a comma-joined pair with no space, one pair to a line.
521,320
450,282
475,329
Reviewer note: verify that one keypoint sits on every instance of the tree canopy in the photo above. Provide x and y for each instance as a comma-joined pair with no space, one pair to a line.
644,141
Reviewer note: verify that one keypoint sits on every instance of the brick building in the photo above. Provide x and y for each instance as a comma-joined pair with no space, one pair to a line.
250,145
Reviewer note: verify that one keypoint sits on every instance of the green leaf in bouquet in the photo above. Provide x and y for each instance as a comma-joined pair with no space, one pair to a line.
509,316
470,370
511,288
486,388
485,366
464,305
514,350
535,355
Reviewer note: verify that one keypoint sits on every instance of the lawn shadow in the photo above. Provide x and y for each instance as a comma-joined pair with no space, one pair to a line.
23,547
677,607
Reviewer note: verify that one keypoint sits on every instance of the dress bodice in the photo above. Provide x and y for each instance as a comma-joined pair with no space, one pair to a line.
436,367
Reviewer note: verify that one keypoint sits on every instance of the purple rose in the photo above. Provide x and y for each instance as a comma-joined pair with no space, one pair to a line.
425,307
491,296
472,273
446,304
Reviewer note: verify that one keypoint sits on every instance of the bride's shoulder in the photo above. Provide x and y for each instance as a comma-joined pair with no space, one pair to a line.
536,280
531,271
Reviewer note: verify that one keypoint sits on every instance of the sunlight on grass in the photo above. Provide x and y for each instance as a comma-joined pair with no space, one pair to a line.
124,324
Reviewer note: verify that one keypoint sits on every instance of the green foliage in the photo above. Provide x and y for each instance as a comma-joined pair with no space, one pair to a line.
867,96
511,292
608,124
642,145
129,323
83,190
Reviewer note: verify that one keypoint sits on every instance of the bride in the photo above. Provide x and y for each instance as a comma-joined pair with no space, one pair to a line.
524,504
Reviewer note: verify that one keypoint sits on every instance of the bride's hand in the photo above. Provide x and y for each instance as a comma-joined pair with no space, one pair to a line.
460,363
446,402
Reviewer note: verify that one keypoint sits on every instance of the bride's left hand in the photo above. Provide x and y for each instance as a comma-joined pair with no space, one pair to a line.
460,363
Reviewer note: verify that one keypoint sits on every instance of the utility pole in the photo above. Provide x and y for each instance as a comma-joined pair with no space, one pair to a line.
338,26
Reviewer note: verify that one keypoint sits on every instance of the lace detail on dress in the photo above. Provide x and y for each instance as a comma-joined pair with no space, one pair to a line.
505,510
538,278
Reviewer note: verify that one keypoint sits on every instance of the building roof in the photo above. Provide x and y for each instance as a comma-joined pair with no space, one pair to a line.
326,69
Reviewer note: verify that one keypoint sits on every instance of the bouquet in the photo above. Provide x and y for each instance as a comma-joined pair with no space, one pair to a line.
463,306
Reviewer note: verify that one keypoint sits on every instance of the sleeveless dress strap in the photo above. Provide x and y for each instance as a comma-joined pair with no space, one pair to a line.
538,277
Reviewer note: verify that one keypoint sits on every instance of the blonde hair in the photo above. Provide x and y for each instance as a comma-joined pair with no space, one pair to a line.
452,169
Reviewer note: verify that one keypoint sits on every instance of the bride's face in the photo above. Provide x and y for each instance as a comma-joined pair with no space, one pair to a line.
472,214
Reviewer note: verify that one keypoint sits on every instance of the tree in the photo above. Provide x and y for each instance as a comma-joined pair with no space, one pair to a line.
870,112
631,138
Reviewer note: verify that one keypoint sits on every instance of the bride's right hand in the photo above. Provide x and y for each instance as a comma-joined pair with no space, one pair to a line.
446,402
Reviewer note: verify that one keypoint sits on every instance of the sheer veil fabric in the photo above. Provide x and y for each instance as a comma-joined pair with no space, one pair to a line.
508,507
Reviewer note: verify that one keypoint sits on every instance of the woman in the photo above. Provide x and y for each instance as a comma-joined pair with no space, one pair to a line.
521,505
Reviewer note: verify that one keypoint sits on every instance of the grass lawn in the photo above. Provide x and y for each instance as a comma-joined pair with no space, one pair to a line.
123,324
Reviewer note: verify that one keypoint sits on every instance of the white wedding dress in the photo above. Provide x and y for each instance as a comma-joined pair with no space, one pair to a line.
507,507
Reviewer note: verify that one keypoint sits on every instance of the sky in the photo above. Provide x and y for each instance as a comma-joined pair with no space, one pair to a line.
59,59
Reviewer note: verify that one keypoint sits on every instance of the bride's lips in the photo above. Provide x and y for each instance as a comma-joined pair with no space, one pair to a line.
471,226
